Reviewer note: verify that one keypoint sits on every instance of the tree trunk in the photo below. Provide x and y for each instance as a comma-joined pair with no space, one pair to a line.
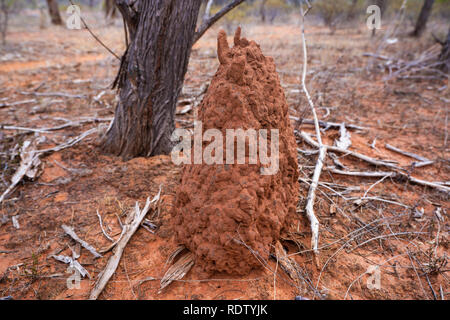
423,18
444,57
53,10
151,75
262,10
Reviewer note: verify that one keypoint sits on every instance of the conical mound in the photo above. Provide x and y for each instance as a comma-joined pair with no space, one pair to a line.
229,215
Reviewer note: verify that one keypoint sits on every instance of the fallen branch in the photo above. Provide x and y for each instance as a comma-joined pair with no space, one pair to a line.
103,229
178,270
327,125
129,230
373,174
60,127
423,161
384,163
17,103
70,232
74,264
395,175
29,165
209,22
54,94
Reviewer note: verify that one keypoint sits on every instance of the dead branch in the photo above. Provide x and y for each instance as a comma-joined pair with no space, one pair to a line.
322,150
328,125
398,175
178,270
29,165
56,128
129,230
18,103
209,22
103,229
384,163
70,232
423,161
54,94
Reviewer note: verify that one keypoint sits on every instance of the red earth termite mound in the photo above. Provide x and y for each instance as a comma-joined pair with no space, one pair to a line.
229,215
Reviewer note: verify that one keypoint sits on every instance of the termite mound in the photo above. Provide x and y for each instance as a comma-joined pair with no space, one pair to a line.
229,215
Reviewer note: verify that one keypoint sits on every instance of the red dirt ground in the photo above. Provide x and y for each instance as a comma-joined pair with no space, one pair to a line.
411,115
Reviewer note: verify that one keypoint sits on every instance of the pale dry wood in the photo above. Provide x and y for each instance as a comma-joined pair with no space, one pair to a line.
74,264
29,166
393,174
327,124
103,229
384,163
423,161
178,270
128,231
17,103
56,128
54,94
344,141
70,232
322,150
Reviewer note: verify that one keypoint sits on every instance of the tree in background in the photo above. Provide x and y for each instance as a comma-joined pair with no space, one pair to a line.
262,10
110,9
382,4
444,57
6,6
207,13
53,10
151,73
423,18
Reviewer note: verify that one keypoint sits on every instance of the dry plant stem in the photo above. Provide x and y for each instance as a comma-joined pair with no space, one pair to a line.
36,154
327,124
103,229
69,231
128,231
322,151
370,160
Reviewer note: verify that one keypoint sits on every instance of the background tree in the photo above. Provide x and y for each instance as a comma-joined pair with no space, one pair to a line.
151,74
110,9
207,13
444,57
53,10
423,18
262,10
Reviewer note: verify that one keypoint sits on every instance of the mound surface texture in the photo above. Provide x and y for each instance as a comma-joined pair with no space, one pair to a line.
229,215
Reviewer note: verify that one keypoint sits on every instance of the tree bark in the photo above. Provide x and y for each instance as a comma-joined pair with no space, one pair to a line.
151,75
444,57
53,10
423,18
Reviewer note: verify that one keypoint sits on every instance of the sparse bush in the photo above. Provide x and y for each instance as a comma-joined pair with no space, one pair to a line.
334,13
